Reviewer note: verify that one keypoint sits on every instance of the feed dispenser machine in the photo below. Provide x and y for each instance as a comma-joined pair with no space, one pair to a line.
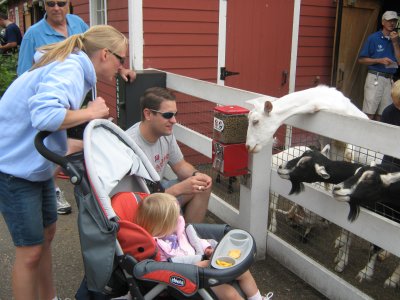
229,153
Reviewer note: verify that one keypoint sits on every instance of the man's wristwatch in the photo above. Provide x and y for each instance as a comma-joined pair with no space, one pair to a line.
195,172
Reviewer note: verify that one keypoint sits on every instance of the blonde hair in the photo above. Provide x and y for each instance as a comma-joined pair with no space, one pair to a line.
395,93
95,38
158,214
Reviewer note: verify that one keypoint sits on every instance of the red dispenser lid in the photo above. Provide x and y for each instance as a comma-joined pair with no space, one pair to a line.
231,110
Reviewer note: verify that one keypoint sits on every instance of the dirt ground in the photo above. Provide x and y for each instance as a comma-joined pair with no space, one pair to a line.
269,274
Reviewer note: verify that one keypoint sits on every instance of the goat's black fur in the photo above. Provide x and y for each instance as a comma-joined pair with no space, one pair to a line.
302,169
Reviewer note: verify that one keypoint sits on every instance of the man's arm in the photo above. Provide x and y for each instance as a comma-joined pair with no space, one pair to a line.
8,46
394,37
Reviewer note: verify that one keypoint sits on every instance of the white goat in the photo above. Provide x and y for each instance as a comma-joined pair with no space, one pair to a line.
264,120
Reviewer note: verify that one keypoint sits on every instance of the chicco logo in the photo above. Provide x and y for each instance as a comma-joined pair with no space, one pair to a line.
177,281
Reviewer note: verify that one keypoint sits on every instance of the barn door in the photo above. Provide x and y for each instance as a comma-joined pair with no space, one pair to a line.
258,45
355,22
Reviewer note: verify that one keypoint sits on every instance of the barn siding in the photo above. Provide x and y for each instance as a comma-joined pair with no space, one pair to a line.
316,38
181,36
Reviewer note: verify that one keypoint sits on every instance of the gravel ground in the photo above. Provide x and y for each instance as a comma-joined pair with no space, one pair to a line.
269,274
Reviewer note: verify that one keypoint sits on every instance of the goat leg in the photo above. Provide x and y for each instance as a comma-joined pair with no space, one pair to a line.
368,271
393,281
342,258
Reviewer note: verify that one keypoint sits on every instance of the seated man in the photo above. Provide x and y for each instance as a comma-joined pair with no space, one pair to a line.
154,136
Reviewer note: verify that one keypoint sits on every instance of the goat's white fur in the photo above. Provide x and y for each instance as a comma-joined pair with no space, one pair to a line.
266,116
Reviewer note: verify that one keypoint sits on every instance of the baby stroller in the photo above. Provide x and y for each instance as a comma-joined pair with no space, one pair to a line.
118,255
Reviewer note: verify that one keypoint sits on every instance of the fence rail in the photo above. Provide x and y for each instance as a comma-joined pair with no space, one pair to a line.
252,214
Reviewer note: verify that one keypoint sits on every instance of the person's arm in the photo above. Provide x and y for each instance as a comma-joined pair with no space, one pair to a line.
26,53
394,37
95,109
372,61
127,74
8,46
192,181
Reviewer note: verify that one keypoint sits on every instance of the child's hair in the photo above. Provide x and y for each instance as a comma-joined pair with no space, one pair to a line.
158,214
395,93
95,38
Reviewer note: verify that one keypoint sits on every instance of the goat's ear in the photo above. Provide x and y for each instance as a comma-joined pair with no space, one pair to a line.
389,178
326,150
268,107
321,171
372,164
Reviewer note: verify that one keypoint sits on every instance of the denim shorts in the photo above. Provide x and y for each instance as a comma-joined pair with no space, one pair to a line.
168,183
27,207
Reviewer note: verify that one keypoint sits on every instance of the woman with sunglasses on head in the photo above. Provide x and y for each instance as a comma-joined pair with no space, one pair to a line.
47,98
155,137
56,26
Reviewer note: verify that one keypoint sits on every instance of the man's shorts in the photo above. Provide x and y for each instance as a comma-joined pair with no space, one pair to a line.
168,183
376,96
27,208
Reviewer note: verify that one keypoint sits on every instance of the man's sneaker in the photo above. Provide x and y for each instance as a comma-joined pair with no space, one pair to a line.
63,207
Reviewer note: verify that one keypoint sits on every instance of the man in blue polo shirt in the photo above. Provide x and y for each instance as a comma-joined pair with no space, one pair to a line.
54,27
381,52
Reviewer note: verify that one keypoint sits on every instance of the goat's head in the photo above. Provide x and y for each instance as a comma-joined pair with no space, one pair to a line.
262,124
309,167
365,188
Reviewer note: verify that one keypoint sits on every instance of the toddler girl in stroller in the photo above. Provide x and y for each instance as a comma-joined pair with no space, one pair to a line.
159,214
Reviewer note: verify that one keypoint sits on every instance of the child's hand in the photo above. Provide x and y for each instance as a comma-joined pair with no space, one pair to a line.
208,252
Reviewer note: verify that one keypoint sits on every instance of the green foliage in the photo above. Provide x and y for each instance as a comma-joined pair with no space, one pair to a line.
8,71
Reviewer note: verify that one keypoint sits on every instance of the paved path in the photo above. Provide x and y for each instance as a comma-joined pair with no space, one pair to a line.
67,260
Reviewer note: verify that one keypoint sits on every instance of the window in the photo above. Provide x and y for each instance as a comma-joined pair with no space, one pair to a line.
98,12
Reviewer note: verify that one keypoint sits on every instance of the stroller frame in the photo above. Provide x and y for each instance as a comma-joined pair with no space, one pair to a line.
127,170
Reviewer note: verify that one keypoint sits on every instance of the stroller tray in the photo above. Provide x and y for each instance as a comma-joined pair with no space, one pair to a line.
234,248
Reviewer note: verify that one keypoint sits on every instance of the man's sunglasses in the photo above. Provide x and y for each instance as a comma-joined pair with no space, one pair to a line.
166,115
120,58
54,3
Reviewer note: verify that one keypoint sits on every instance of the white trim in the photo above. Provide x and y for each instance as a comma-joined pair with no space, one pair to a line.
295,45
221,39
136,33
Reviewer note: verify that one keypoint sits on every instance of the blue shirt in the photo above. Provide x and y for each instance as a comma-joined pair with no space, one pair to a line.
38,101
12,34
378,46
41,34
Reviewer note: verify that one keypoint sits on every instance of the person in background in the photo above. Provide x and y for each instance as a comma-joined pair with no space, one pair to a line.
391,115
56,26
159,215
12,35
381,53
155,137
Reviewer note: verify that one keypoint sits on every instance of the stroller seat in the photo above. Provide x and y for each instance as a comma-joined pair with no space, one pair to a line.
187,279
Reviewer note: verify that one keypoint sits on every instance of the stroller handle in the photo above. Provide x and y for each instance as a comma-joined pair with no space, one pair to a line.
74,174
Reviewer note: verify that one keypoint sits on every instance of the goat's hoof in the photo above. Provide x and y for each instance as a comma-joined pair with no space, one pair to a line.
389,283
340,267
383,255
363,275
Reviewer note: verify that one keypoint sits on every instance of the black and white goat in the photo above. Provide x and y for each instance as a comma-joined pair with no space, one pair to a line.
375,188
314,166
295,214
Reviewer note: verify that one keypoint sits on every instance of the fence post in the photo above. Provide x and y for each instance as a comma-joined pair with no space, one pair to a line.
254,198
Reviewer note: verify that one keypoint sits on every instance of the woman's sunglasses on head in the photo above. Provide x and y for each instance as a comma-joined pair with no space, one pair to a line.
54,3
166,115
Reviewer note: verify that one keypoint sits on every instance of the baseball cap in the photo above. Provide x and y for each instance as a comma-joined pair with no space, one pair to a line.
389,15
